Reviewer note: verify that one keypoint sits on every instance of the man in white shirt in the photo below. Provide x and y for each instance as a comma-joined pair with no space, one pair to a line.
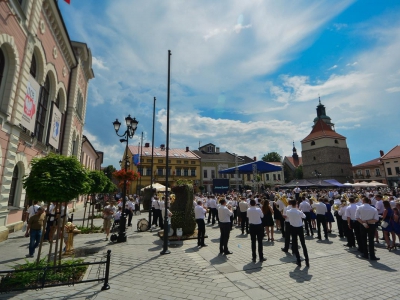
287,228
155,209
321,219
305,207
352,224
224,215
130,210
213,210
255,215
244,206
281,206
199,214
297,193
379,204
32,210
296,217
367,216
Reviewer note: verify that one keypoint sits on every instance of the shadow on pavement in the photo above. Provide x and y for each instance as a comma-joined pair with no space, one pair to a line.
300,275
252,267
380,266
218,260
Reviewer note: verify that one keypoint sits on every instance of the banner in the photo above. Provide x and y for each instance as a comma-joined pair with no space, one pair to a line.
220,186
30,104
55,127
136,159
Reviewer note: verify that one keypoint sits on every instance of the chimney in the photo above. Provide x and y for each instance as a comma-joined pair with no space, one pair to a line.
147,145
255,158
381,152
187,149
217,149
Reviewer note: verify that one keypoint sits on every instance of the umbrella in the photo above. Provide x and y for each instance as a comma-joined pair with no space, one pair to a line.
376,183
157,186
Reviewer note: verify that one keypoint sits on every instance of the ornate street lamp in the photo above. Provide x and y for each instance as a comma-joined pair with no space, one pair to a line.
131,125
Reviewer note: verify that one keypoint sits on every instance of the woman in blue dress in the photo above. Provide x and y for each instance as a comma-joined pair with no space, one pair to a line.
328,215
388,217
313,216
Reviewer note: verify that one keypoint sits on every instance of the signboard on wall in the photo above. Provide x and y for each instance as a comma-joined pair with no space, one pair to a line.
220,186
30,104
55,127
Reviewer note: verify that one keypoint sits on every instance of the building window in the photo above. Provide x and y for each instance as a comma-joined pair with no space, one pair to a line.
314,158
185,172
169,171
169,161
160,171
378,172
397,170
212,174
149,160
210,149
160,161
359,172
178,161
389,171
339,156
178,172
279,176
248,177
267,177
140,170
2,65
42,110
341,170
13,188
185,162
205,175
193,162
336,142
148,172
274,176
33,68
367,173
312,143
73,147
79,106
193,172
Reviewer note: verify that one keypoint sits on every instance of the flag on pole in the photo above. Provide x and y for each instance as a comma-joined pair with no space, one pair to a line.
136,159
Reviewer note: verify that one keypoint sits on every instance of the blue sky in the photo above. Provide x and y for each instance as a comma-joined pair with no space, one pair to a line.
245,75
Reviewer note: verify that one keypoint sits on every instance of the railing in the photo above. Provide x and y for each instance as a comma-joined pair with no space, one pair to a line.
40,282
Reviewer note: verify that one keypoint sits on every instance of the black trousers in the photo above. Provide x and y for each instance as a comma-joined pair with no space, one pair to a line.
339,223
288,233
257,235
225,229
282,221
201,231
155,217
245,221
160,218
321,220
357,233
298,232
367,234
346,230
351,241
129,213
213,214
307,223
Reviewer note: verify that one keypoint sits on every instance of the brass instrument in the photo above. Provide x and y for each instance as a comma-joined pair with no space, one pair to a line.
336,207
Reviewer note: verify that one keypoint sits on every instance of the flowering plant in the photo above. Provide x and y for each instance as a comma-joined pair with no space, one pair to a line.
125,176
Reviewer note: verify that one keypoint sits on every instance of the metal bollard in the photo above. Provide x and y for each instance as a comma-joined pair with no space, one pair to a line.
106,286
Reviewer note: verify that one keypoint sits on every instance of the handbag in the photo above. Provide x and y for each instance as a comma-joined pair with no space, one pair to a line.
384,224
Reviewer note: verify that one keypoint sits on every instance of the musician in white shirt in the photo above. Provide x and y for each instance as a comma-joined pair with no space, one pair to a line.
321,210
224,215
305,207
295,218
255,216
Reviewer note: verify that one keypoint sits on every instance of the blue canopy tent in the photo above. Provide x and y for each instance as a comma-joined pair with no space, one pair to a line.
262,167
336,183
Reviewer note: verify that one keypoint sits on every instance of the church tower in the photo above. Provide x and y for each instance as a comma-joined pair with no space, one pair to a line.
324,152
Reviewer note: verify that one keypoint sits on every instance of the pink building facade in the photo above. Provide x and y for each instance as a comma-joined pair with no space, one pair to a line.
44,80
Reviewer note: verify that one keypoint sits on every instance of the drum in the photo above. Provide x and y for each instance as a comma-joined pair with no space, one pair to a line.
143,225
171,231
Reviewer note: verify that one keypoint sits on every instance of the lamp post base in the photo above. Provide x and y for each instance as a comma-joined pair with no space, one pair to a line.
165,252
121,238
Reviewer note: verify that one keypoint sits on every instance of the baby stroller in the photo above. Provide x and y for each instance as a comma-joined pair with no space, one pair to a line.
114,231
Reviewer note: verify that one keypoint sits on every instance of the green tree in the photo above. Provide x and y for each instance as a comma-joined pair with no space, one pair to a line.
98,183
109,170
298,173
272,157
57,179
110,187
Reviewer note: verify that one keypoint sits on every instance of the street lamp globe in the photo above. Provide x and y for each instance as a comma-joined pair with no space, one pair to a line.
117,125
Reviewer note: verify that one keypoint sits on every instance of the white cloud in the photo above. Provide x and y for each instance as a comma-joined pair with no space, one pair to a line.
333,67
98,63
352,64
339,26
394,89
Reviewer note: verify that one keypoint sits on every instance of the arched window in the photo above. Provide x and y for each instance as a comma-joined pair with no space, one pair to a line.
42,110
13,188
312,143
2,66
79,106
336,142
314,158
33,68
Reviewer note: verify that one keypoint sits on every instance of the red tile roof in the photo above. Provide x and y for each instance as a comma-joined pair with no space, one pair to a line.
394,153
373,162
291,160
174,153
321,130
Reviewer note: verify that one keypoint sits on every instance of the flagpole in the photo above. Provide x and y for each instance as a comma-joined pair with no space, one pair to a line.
152,159
165,246
140,158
